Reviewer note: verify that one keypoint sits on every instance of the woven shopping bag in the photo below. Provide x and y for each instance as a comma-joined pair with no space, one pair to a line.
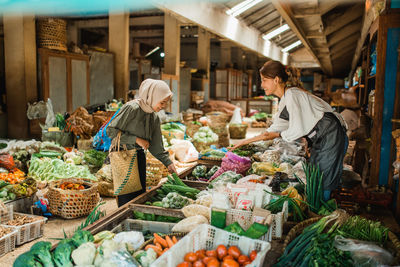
124,167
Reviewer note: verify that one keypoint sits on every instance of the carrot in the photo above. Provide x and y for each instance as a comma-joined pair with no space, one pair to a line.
174,240
155,248
161,240
169,241
159,246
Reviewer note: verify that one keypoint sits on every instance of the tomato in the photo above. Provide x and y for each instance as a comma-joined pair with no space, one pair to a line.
242,259
211,253
230,263
234,251
190,257
253,255
228,257
221,252
199,264
206,260
213,263
247,262
201,254
184,264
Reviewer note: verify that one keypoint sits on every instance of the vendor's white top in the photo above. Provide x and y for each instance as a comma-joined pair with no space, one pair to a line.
305,110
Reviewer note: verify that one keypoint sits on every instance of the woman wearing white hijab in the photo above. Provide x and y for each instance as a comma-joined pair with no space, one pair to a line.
140,129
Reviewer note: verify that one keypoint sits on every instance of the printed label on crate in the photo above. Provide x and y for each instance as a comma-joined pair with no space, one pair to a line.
245,202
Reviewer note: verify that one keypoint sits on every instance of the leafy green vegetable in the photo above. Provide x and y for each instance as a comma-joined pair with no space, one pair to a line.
95,215
3,145
62,253
212,171
199,171
174,201
360,228
173,126
81,237
27,259
226,177
205,135
41,250
95,157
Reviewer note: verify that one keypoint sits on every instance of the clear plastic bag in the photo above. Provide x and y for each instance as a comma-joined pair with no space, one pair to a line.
50,117
364,253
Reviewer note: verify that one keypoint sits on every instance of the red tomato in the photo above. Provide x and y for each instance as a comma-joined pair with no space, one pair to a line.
230,263
199,263
221,252
234,251
211,253
206,260
228,257
190,257
247,262
201,254
213,263
184,264
242,259
253,255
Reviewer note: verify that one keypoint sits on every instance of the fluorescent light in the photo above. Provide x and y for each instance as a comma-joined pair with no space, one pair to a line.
242,7
275,32
290,47
152,51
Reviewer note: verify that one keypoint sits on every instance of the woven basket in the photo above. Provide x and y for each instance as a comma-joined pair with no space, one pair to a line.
200,146
191,128
71,204
218,117
52,33
237,131
155,170
298,229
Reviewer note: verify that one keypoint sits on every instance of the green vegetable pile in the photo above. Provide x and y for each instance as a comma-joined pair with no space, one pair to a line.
205,135
94,157
363,229
174,201
199,171
175,185
226,177
152,217
212,153
276,206
47,169
6,191
173,126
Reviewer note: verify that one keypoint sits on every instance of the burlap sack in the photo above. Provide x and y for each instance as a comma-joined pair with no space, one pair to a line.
124,167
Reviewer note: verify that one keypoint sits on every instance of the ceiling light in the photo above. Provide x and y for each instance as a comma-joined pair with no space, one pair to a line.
290,47
275,32
152,51
162,54
242,7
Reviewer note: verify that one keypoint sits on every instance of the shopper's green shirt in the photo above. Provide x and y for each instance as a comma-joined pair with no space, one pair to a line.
133,122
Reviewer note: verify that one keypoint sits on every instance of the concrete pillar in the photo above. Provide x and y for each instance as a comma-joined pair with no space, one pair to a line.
172,45
203,51
226,58
20,70
72,32
118,43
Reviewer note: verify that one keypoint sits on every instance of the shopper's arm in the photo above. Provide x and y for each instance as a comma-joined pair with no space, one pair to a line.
262,137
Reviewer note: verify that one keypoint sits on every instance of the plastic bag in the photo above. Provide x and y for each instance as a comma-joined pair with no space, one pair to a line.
101,141
236,117
50,117
220,200
188,224
36,110
364,253
272,156
204,200
7,162
196,209
132,239
184,150
264,168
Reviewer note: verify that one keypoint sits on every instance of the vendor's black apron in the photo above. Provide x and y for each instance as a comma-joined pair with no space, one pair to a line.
141,157
327,142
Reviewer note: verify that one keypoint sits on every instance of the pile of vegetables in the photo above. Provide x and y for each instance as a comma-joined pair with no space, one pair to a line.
71,186
152,217
114,105
174,201
205,135
225,178
94,157
19,220
5,231
260,116
294,201
173,126
314,190
212,152
175,185
73,157
221,256
13,177
47,169
160,246
200,172
6,191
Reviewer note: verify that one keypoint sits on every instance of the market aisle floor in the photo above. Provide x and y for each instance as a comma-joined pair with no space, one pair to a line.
54,229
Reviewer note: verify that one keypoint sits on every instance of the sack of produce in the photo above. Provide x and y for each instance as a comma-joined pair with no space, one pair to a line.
184,150
221,130
264,168
204,138
233,162
192,127
195,209
237,130
188,224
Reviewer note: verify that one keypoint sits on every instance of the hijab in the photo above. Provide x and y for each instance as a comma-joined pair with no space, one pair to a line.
151,92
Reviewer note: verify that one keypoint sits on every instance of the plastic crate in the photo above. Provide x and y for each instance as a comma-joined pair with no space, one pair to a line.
142,226
208,237
6,213
7,242
279,219
30,231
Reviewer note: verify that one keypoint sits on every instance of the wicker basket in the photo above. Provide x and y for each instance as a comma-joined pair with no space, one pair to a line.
7,242
52,33
71,204
200,146
191,128
218,117
30,231
155,170
221,130
237,131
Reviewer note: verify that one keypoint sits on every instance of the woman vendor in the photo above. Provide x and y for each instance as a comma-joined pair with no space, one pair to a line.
302,114
140,129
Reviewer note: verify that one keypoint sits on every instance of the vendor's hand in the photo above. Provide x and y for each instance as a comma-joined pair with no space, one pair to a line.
143,143
171,168
240,144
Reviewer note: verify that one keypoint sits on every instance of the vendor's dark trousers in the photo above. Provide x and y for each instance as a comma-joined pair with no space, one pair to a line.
123,199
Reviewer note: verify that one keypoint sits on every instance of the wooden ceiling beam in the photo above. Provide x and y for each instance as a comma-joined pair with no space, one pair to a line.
342,52
306,12
345,43
344,32
347,17
326,6
315,35
286,12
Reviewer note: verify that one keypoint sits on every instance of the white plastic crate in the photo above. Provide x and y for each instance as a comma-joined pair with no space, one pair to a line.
278,219
6,213
30,231
142,226
208,237
7,242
